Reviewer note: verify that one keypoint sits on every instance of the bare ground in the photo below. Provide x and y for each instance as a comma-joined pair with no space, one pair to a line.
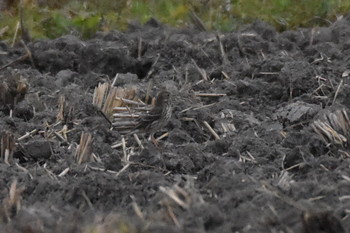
269,169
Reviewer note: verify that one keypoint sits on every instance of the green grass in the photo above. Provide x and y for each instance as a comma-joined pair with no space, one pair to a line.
292,13
86,17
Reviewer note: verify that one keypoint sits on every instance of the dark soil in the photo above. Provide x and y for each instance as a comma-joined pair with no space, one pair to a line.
270,173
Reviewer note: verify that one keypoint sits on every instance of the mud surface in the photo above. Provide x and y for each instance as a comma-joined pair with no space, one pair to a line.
267,171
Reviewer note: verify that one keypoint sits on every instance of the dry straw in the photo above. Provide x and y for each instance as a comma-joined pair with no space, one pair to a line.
11,205
8,144
83,152
107,97
334,129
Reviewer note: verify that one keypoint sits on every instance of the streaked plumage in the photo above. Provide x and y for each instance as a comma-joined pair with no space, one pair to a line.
158,117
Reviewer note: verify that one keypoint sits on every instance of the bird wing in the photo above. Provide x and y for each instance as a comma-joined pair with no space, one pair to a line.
147,119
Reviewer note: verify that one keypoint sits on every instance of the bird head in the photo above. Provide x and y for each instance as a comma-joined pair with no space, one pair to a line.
162,98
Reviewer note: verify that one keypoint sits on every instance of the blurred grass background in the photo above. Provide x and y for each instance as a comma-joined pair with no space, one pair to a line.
52,18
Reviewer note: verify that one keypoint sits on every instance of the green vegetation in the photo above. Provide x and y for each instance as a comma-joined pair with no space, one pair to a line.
52,18
285,14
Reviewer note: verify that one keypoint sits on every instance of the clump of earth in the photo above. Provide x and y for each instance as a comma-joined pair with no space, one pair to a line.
242,152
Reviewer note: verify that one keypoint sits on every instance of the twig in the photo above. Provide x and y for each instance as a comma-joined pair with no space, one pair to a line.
148,91
251,156
139,49
127,101
87,200
347,178
312,36
138,211
117,145
106,97
207,56
210,94
197,21
109,101
269,73
172,194
205,106
201,71
148,166
96,158
125,115
99,95
172,215
222,51
50,173
324,167
273,191
105,117
25,170
294,166
64,172
197,108
15,35
29,53
338,89
123,126
124,150
123,169
138,141
344,198
60,137
7,147
150,72
225,75
115,79
121,109
162,136
102,170
191,119
24,32
228,127
84,150
12,203
211,130
28,134
243,159
21,58
186,109
3,30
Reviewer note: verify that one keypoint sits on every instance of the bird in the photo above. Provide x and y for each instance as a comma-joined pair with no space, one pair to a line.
157,118
12,90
